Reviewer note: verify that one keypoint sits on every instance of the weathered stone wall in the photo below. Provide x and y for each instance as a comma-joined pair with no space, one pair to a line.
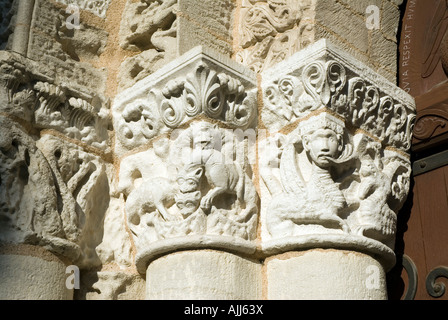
100,98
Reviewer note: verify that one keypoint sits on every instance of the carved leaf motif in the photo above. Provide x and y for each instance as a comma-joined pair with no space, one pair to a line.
172,112
314,80
282,97
217,95
336,77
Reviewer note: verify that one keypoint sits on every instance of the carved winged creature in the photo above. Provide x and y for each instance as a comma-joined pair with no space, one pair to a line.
319,200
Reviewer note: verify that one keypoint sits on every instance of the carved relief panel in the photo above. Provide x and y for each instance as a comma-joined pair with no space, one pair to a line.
160,31
271,31
185,136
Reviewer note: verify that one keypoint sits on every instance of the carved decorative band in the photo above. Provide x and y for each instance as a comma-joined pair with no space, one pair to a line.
217,95
329,84
51,106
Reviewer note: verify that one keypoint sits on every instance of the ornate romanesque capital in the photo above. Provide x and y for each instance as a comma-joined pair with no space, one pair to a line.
53,146
335,163
184,139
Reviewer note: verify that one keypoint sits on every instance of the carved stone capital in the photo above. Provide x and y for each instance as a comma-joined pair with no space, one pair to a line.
47,190
184,136
53,145
335,162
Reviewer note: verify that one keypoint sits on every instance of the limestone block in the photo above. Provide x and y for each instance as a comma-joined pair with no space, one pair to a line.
272,31
33,275
340,20
208,23
60,49
390,19
203,275
335,161
325,275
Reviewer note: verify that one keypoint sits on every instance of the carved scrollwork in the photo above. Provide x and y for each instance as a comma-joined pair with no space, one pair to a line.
333,86
217,95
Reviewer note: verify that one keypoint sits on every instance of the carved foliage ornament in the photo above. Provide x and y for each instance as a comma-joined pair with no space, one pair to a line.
51,106
331,85
217,95
202,91
431,122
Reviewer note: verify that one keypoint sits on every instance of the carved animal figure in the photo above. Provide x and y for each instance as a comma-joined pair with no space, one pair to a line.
223,177
160,193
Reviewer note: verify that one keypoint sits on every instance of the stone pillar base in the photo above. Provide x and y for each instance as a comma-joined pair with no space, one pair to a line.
32,273
203,274
325,275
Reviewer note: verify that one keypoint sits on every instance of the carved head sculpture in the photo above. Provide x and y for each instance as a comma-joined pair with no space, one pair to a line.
206,136
189,181
188,203
189,178
322,139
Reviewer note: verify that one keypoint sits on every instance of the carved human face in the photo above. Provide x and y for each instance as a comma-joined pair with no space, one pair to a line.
322,145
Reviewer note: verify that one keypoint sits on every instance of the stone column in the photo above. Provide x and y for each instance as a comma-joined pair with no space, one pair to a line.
22,27
186,144
335,168
32,273
49,178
